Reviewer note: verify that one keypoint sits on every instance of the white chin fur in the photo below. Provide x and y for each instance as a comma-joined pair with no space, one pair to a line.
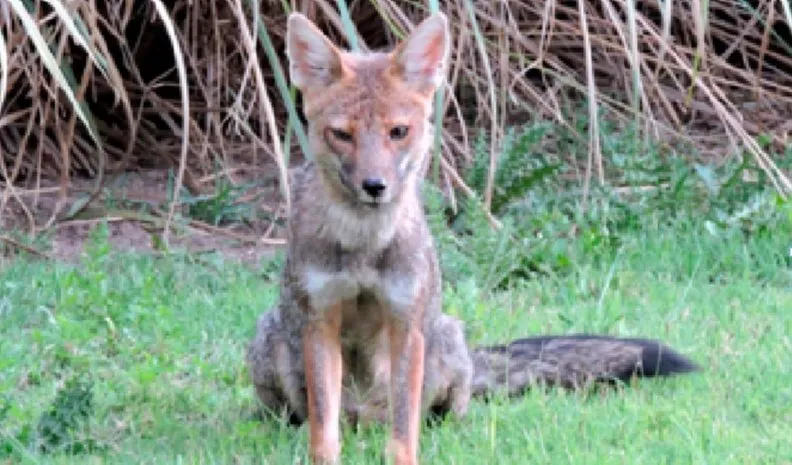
353,230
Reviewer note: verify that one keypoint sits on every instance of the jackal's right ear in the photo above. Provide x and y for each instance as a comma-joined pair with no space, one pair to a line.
313,60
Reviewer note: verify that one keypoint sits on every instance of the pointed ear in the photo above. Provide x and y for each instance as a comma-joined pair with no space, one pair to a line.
313,59
421,60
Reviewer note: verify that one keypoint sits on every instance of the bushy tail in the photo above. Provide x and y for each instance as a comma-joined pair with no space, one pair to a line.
571,361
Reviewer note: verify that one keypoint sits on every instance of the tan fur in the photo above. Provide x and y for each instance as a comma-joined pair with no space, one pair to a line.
358,329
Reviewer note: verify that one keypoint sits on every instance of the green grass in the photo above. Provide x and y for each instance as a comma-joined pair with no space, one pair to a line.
161,343
134,359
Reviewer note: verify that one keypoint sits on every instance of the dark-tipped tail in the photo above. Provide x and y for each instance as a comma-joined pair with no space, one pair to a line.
571,362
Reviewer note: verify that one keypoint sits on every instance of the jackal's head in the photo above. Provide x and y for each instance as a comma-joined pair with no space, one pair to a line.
368,114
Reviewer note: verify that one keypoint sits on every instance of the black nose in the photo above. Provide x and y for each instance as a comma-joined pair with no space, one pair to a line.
374,186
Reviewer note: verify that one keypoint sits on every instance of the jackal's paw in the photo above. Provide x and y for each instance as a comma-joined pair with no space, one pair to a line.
325,457
397,453
325,452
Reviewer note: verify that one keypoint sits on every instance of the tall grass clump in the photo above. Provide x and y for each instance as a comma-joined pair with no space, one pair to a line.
95,87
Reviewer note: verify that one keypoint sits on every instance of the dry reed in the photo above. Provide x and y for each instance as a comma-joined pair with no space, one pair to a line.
89,87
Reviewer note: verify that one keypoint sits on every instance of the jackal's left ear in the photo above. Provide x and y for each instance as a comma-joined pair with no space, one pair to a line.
313,59
421,60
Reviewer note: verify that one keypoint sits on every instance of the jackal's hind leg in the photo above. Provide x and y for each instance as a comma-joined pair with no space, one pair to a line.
274,363
449,369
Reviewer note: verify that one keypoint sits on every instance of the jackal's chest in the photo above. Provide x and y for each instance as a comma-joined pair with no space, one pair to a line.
327,288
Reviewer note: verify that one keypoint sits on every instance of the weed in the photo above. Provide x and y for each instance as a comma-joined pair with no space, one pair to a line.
222,206
58,426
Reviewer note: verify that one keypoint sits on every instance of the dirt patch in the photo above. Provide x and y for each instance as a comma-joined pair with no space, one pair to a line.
70,239
135,209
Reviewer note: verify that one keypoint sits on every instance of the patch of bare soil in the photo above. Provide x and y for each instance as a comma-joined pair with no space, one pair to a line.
135,207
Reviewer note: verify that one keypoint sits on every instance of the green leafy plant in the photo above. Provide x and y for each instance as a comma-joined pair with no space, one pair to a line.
59,428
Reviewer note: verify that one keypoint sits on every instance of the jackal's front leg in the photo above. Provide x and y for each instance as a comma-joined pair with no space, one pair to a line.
407,371
322,346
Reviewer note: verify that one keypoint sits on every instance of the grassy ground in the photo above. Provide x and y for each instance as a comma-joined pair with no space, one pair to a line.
159,344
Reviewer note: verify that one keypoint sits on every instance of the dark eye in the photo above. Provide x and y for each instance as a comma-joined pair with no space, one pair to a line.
341,135
399,132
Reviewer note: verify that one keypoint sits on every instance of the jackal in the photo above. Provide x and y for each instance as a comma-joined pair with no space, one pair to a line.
358,329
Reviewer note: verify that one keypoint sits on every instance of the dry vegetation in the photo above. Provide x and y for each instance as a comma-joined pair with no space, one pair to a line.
713,75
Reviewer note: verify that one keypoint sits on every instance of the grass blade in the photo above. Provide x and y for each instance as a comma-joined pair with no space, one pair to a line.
3,69
52,65
594,140
280,82
185,108
482,50
787,12
349,26
281,158
77,29
439,114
